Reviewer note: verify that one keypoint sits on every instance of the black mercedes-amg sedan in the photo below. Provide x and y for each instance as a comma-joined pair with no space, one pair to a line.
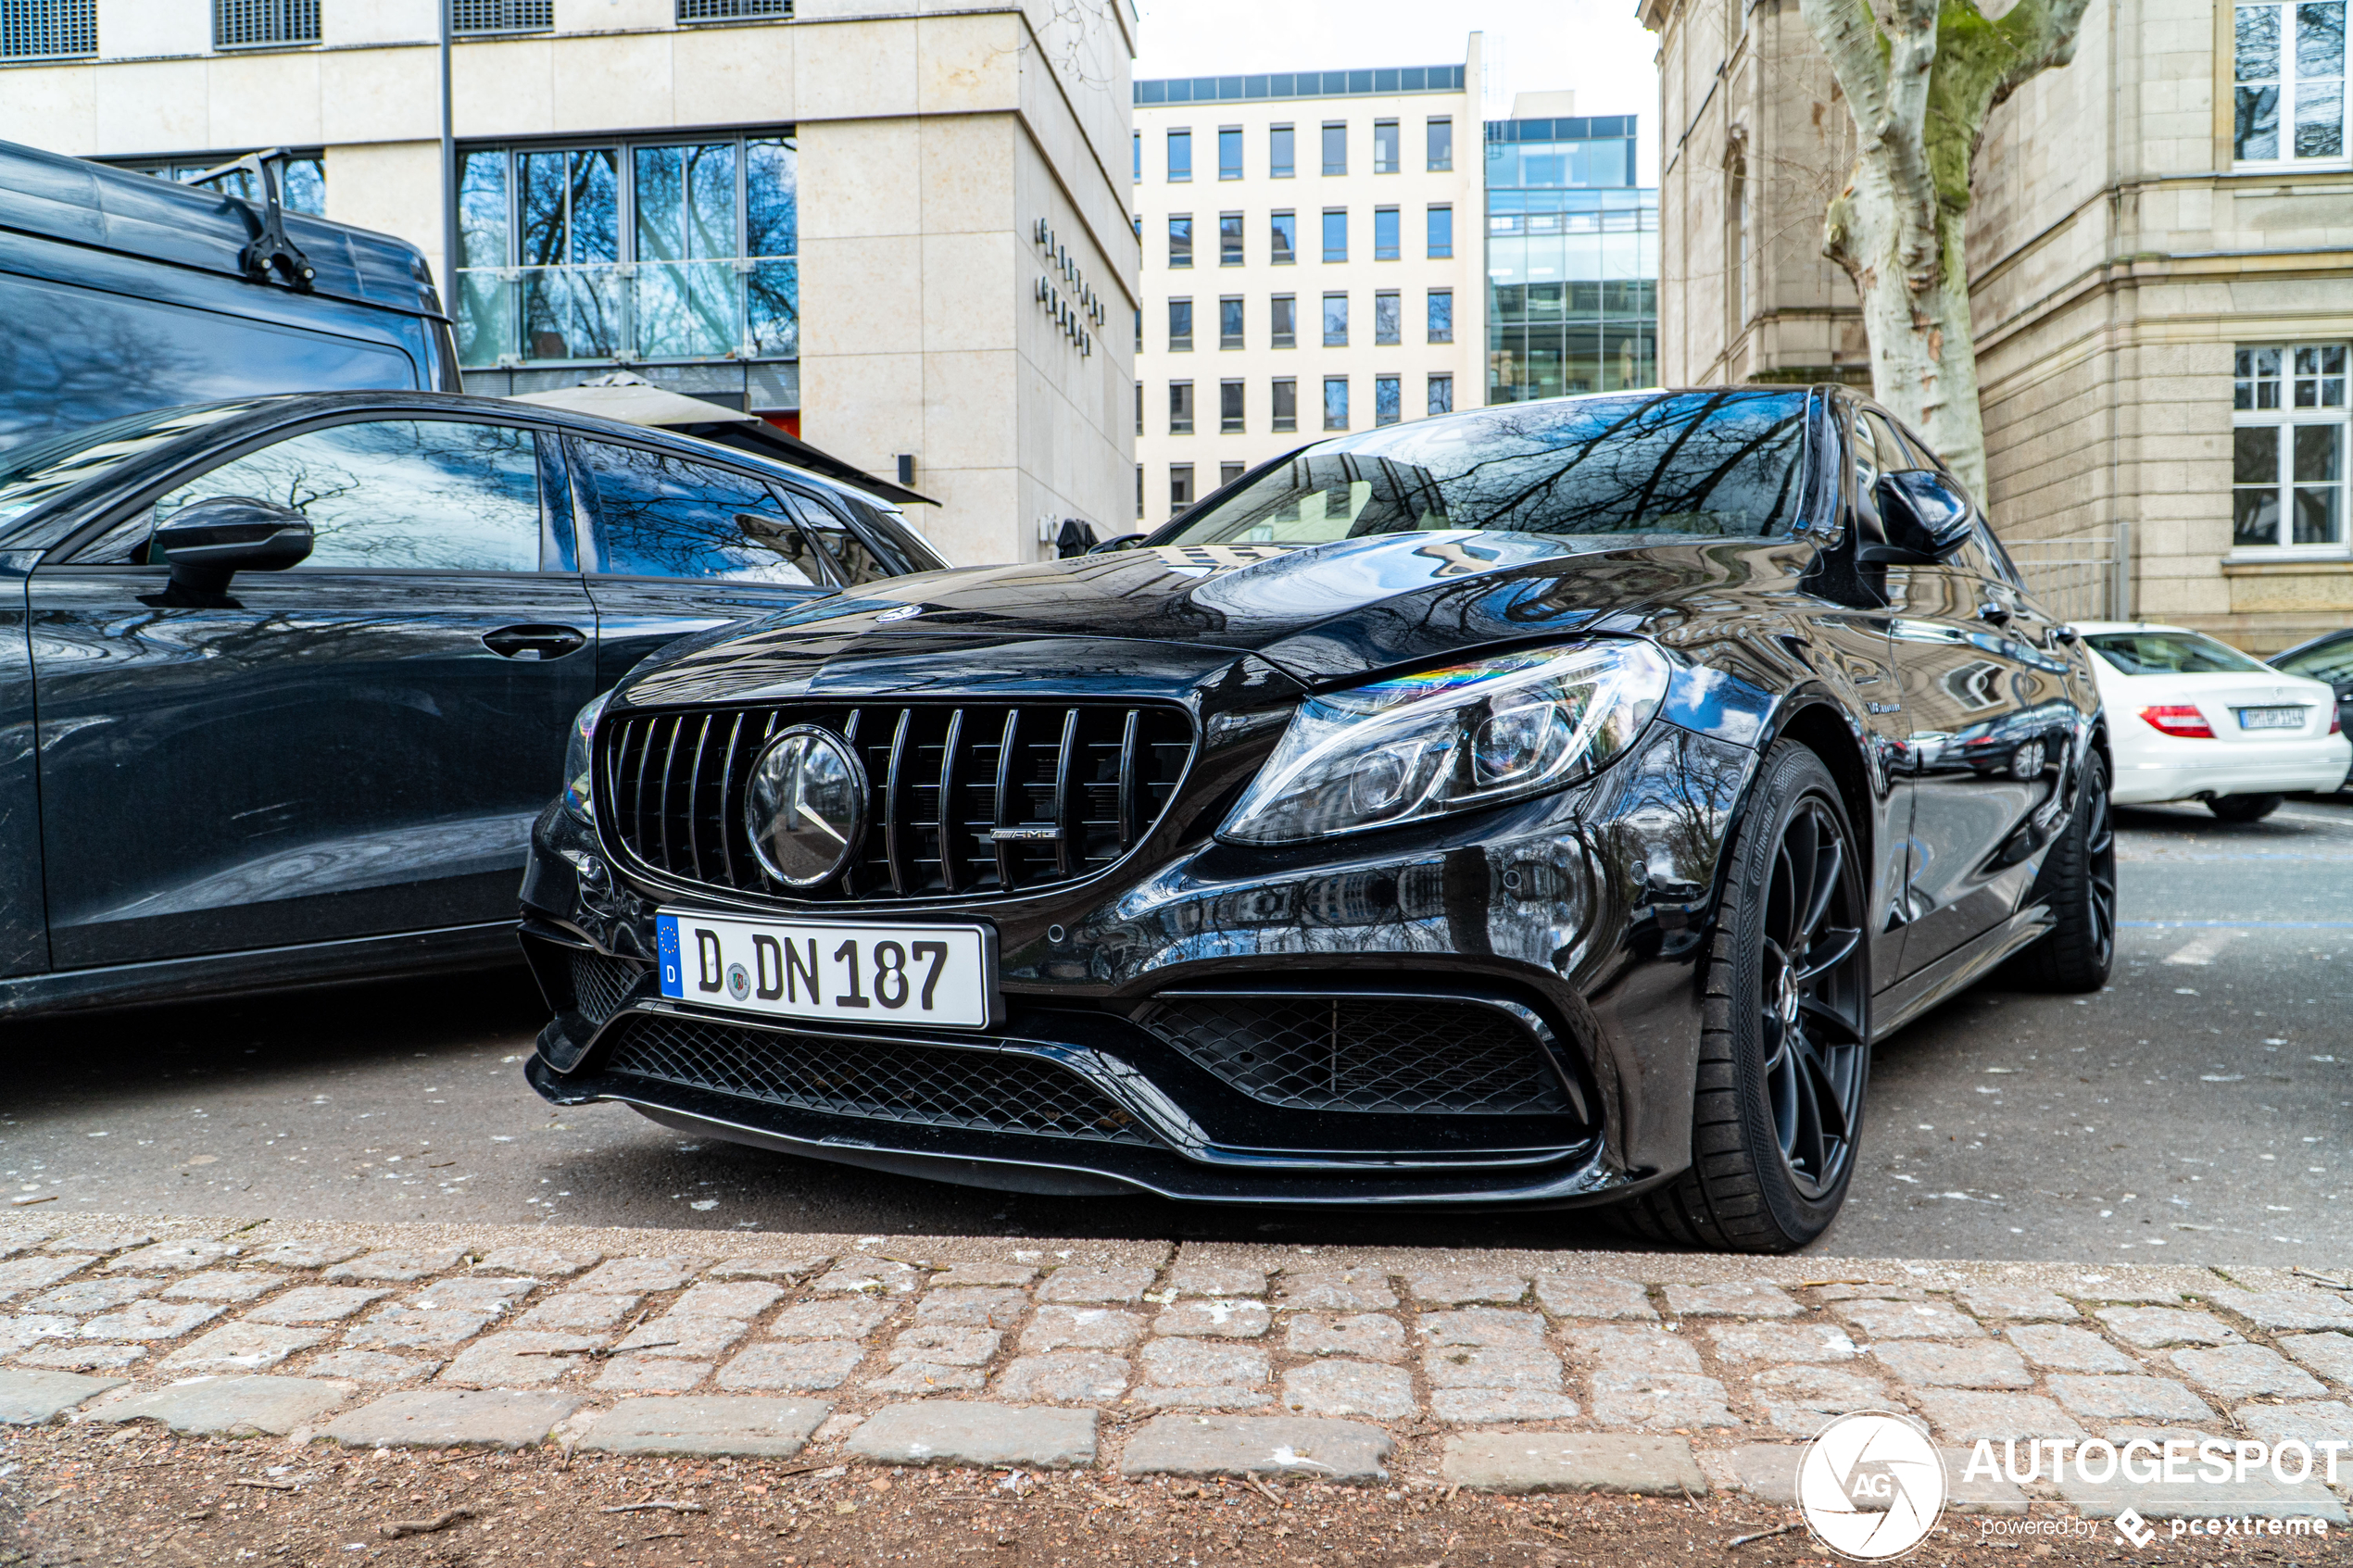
1543,806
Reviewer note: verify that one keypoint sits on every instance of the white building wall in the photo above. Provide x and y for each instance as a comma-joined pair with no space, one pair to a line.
1413,190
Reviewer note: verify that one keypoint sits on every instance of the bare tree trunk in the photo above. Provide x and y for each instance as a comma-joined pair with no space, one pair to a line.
1920,77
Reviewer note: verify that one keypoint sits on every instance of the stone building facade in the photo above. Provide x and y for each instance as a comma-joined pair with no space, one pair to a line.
2161,263
901,231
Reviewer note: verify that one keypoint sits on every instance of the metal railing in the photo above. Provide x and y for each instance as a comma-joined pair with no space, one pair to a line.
2081,577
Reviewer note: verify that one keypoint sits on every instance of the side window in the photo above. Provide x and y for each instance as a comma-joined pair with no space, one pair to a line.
661,516
857,562
436,495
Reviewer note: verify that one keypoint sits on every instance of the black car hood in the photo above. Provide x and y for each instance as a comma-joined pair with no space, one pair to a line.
1319,614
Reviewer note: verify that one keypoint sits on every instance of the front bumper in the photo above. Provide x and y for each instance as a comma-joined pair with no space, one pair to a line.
1578,918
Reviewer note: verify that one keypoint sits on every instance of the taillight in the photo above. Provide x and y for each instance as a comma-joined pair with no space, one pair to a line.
2337,719
2181,721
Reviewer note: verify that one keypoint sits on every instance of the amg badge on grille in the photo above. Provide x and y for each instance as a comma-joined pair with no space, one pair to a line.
806,807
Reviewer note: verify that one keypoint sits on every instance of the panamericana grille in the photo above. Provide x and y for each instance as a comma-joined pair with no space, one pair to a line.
1365,1053
993,1091
600,985
1083,782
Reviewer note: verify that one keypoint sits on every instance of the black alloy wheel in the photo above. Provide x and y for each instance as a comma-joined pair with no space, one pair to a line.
1784,1056
2077,883
1810,1011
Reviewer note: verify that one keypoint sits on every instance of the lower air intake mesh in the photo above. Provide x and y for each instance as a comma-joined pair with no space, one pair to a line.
1406,1054
600,985
994,1091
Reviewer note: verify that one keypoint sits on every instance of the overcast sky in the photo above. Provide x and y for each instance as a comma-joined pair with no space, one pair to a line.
1593,46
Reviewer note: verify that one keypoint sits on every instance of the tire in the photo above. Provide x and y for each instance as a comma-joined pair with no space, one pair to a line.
2078,884
1784,1042
2245,807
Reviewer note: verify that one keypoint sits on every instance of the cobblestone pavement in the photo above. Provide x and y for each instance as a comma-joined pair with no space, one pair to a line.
1497,1371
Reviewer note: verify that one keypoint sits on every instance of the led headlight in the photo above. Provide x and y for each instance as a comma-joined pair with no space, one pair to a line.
579,799
1503,728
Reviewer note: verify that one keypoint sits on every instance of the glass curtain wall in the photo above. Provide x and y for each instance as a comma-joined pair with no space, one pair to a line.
1572,262
626,251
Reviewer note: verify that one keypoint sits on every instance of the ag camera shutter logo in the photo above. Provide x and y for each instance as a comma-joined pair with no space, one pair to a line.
1871,1486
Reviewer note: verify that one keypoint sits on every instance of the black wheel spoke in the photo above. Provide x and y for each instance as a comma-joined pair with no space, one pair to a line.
1831,950
1831,863
1813,994
1841,1029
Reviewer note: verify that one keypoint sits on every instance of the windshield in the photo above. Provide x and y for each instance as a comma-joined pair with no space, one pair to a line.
33,474
1712,465
2331,661
2172,653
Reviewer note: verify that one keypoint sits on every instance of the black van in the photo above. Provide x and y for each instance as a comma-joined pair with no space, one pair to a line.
122,292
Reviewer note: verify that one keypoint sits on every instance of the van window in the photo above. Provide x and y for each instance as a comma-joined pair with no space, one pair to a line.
126,355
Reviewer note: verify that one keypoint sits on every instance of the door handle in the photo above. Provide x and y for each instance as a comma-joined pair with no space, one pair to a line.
534,640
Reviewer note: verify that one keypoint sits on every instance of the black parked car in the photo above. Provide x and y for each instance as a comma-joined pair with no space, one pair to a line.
288,679
2326,657
1546,805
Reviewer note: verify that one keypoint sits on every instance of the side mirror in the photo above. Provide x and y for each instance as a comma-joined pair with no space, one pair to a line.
1926,519
207,541
1118,542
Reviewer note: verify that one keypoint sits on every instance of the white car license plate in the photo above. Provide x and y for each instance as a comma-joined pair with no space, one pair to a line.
2270,718
934,976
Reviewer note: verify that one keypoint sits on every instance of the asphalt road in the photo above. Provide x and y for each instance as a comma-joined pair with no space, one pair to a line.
2197,1111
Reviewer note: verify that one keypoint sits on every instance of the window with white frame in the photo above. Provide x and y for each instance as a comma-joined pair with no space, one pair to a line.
2289,100
2287,447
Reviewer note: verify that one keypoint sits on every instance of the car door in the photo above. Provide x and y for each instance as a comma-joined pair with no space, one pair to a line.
679,546
351,748
1976,715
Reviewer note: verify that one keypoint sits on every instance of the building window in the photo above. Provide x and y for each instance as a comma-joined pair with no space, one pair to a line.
2290,69
1285,325
49,29
1230,152
1736,245
1335,320
1228,473
1229,322
1387,400
1180,241
1442,394
1284,238
503,15
2287,449
1279,152
1139,140
1180,156
1139,408
1140,484
1180,408
1334,147
1181,324
731,11
1229,407
1335,233
1180,484
1335,402
302,177
243,24
1229,239
1440,137
1385,145
1286,404
656,250
1441,232
1139,329
1441,315
1385,241
1389,319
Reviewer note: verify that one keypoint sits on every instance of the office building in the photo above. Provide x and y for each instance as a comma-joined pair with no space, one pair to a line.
905,237
1572,254
1311,264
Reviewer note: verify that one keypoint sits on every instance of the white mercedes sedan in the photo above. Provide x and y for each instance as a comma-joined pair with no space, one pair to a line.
2192,718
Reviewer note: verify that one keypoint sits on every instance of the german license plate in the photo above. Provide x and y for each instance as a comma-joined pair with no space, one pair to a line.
2270,718
939,976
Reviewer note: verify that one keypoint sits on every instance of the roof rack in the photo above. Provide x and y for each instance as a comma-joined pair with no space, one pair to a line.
268,251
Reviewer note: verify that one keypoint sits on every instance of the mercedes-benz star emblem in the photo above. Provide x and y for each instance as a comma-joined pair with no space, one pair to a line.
806,808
